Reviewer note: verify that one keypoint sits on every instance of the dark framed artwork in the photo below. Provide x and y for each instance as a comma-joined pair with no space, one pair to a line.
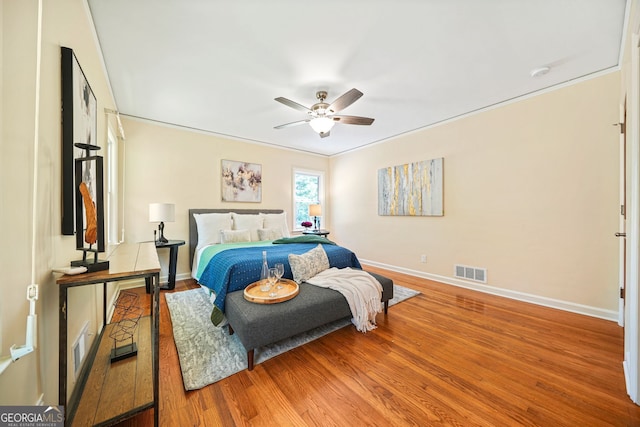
89,209
79,126
241,181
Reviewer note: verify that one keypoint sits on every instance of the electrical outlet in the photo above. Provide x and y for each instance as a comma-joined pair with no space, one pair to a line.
423,258
32,292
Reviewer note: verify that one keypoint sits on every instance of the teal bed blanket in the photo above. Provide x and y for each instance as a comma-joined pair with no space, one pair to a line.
229,268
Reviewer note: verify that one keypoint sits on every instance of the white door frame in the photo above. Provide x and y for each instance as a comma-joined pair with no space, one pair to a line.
631,337
622,270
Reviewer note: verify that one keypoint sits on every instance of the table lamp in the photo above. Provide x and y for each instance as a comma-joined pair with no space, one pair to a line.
315,211
162,212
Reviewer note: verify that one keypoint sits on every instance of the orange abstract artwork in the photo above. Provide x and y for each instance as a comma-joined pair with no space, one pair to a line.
91,233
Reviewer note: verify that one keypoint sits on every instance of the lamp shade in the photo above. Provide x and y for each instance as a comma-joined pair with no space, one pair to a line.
315,210
321,124
162,212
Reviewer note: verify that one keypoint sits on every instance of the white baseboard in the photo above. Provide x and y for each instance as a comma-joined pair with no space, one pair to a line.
507,293
182,276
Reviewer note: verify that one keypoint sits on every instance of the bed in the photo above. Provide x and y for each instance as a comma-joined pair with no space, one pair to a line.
226,248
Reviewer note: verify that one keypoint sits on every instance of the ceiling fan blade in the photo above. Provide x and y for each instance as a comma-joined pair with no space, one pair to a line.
353,120
293,104
324,134
288,125
345,100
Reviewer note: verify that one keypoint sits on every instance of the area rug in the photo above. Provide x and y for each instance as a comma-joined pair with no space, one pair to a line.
208,353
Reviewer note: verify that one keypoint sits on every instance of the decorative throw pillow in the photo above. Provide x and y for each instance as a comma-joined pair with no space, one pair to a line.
277,221
235,236
308,264
209,226
270,233
251,222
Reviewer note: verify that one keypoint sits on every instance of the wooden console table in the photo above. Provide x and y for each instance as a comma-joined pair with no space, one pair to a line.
108,393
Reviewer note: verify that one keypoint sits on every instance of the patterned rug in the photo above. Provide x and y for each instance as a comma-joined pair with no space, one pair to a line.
208,353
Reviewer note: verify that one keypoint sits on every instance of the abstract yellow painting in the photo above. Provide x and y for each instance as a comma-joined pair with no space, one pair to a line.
412,189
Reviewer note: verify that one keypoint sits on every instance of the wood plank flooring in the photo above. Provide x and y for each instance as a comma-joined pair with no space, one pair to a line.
448,357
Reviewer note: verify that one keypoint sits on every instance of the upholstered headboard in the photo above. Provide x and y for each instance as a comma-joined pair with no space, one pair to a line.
193,229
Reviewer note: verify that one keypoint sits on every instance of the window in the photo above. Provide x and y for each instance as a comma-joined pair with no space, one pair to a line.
307,190
112,188
114,214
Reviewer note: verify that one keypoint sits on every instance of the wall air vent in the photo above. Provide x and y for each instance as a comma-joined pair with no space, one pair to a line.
470,273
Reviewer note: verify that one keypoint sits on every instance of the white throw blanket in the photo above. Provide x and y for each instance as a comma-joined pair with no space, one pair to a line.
361,290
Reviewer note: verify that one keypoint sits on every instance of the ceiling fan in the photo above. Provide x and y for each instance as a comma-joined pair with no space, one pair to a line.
322,116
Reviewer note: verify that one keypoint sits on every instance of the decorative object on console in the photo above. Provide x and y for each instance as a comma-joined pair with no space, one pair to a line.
89,212
79,127
241,181
306,224
315,211
162,212
413,189
128,312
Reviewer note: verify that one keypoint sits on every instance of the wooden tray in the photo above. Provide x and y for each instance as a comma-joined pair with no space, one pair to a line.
254,294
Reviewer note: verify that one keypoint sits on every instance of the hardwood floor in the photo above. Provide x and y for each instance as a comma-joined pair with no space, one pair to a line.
449,357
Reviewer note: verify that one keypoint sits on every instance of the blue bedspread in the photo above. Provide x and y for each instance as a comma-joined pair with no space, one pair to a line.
234,269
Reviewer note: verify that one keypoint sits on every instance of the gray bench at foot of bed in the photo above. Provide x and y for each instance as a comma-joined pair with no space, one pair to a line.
260,324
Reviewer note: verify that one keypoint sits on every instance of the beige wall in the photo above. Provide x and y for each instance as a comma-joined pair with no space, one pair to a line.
530,194
17,140
65,23
168,164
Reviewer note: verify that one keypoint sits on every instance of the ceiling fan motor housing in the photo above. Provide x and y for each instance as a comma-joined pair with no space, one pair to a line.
320,109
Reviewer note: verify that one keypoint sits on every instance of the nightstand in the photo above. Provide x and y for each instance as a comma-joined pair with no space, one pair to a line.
173,246
323,233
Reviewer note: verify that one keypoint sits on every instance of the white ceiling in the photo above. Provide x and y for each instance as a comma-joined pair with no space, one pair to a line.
217,65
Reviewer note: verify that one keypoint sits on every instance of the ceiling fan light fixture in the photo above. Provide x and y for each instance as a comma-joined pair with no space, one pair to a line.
321,124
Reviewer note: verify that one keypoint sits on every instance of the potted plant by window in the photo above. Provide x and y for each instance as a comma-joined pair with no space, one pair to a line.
306,224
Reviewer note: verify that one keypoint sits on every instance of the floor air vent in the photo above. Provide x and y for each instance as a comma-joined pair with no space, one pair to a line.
471,273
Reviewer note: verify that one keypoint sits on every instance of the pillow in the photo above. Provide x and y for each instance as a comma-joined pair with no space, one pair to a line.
270,233
209,226
277,221
248,222
235,236
308,264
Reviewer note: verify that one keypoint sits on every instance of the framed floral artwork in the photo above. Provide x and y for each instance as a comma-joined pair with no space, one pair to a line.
241,181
